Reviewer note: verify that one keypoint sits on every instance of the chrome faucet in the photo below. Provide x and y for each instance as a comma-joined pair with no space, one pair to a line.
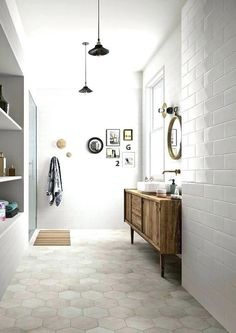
176,171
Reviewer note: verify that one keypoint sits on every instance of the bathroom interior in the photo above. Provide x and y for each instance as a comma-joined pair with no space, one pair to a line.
135,103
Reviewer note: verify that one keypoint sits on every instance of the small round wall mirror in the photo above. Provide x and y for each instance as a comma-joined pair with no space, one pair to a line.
174,138
95,145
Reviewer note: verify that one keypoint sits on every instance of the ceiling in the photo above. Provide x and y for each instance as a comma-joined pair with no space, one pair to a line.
131,29
8,63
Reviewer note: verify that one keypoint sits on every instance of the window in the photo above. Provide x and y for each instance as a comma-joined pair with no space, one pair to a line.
155,126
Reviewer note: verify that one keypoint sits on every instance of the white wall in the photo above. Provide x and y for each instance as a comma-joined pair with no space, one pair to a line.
209,155
169,57
93,185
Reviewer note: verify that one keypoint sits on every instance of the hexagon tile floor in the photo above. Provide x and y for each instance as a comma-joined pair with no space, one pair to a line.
101,284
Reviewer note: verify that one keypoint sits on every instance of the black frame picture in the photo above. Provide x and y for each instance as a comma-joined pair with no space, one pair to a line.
128,160
128,134
113,137
95,145
113,152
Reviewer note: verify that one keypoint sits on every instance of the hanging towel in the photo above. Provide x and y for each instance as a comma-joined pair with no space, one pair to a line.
54,182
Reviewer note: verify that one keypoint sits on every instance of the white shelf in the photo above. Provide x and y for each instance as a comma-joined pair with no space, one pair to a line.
7,123
8,223
9,178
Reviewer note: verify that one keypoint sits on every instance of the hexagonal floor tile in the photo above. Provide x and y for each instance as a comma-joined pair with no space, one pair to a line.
56,323
69,294
93,295
46,295
121,312
215,330
57,303
28,323
6,322
23,295
99,330
70,312
44,312
193,322
84,323
18,312
101,287
70,330
185,330
167,323
112,323
138,322
106,303
82,303
172,311
130,303
96,312
137,295
33,303
130,330
114,294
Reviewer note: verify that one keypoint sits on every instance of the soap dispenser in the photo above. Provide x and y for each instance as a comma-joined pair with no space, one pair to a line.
172,186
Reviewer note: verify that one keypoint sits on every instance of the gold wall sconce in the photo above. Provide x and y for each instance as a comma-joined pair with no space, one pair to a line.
163,109
170,110
61,143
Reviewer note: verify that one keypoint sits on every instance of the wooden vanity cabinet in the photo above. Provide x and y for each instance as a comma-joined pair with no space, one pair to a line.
157,220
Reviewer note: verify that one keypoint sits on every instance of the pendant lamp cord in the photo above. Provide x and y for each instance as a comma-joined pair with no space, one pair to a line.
85,67
98,20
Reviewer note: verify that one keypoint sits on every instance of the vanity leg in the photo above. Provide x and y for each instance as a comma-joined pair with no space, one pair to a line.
132,235
162,264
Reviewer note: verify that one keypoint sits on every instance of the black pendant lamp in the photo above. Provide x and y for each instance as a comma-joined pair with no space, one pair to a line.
85,88
98,49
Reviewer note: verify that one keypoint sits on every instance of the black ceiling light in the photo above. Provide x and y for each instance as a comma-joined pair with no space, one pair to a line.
85,88
98,49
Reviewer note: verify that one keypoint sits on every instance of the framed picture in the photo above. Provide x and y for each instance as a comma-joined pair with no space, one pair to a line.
128,160
112,137
174,137
113,153
95,145
128,135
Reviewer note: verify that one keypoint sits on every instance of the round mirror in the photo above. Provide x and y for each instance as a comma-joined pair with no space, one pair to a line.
174,137
95,145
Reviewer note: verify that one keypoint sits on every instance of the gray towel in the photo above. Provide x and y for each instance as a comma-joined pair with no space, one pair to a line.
54,182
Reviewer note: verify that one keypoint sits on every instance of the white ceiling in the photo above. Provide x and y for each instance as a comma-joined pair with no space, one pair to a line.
8,63
131,29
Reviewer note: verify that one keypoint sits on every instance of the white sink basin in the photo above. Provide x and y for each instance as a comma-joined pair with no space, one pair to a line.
150,187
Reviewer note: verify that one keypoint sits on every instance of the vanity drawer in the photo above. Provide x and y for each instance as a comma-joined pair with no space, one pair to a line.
136,205
137,221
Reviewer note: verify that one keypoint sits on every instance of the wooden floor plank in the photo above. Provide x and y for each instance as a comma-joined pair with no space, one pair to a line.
53,238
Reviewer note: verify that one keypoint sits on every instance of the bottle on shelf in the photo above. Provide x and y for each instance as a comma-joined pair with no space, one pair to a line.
4,105
2,165
2,211
12,171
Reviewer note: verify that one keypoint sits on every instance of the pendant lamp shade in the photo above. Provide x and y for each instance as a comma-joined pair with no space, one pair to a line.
85,88
98,49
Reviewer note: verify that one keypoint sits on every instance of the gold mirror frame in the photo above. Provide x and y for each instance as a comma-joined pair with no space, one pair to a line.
170,150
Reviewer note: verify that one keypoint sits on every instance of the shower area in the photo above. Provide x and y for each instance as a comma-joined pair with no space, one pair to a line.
32,166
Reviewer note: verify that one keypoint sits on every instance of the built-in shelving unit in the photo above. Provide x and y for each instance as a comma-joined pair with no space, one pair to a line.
8,223
9,178
14,145
7,123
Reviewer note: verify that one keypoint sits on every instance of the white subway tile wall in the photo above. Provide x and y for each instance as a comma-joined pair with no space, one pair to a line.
209,155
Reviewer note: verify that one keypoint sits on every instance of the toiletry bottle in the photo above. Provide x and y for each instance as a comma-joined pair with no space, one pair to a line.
2,165
2,211
172,186
12,171
4,105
